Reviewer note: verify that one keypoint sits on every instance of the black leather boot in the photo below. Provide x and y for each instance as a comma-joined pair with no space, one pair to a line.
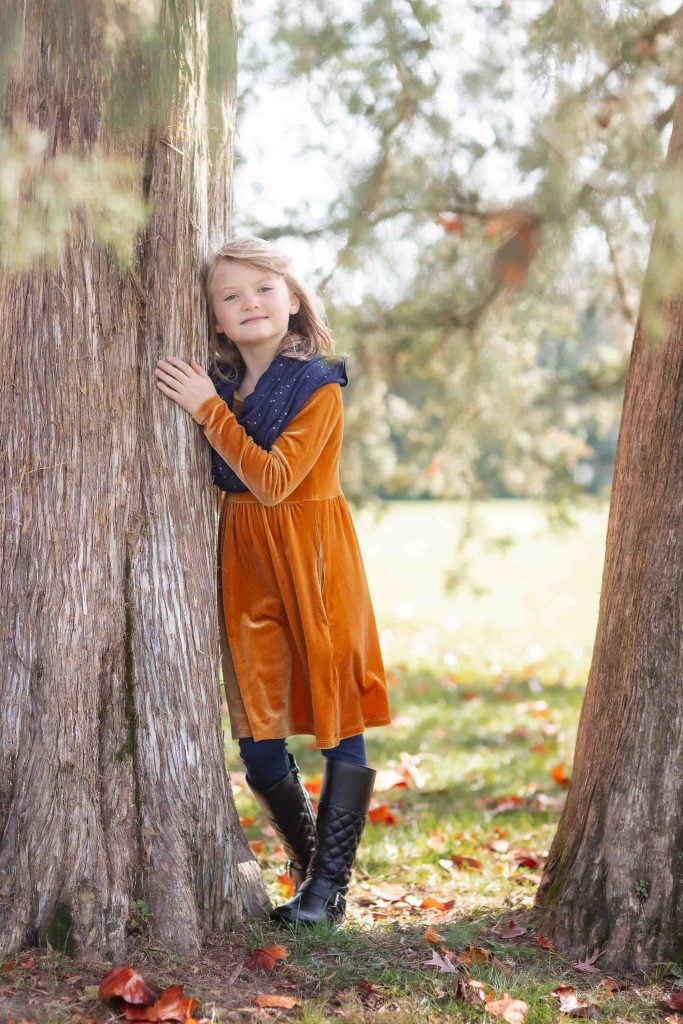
287,806
344,802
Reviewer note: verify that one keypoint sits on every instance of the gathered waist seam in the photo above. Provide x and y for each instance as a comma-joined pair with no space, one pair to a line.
236,498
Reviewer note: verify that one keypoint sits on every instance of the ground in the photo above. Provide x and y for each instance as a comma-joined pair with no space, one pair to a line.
486,685
471,780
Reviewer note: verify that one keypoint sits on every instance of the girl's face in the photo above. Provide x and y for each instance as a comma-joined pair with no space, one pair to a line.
252,306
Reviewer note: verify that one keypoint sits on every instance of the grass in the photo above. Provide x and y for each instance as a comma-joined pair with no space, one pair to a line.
486,693
487,761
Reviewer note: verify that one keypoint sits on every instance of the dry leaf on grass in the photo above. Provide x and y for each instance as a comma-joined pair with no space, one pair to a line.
572,1006
433,936
276,1002
286,883
509,930
674,1001
265,958
587,966
512,1010
461,861
126,983
429,903
172,1005
443,964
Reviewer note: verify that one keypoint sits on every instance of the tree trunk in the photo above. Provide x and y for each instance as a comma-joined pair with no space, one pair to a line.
112,775
614,877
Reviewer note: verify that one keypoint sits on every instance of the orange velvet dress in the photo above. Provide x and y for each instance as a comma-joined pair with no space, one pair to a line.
300,647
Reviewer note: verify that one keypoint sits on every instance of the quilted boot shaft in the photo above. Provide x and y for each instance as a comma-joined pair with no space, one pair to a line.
287,807
344,803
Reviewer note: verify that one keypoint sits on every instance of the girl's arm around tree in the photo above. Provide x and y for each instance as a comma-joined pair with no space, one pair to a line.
272,475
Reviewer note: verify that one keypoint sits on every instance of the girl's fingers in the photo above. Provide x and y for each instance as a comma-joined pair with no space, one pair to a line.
172,373
181,364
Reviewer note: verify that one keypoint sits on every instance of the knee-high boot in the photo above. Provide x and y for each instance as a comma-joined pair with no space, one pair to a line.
344,802
287,806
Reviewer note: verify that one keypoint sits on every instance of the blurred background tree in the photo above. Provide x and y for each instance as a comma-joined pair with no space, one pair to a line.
492,174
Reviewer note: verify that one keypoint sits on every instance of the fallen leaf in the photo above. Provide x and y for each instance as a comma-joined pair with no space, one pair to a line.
545,943
461,861
391,778
474,955
612,986
675,1001
172,1004
588,965
313,785
443,964
512,1010
508,803
265,958
572,1006
247,822
563,990
433,936
256,845
510,930
559,775
276,1002
126,983
383,814
429,903
286,883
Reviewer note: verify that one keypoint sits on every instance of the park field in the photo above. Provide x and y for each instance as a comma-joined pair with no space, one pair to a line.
528,591
486,686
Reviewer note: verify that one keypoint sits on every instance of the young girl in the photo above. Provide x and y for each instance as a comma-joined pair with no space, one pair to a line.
299,640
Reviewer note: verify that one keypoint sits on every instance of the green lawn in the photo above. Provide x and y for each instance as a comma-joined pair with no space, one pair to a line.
530,592
486,690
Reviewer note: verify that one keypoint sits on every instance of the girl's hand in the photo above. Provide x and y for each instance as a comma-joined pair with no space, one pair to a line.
188,384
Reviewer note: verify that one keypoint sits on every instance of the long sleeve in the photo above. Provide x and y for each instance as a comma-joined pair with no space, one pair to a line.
272,475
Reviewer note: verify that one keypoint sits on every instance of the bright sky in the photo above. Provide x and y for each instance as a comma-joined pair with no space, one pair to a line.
290,167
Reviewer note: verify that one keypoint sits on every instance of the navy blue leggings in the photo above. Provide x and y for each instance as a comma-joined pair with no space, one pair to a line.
267,761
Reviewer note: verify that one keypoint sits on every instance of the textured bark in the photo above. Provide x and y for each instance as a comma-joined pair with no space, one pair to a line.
614,878
112,775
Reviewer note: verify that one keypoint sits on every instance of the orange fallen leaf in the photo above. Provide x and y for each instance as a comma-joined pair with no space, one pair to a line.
429,903
286,883
461,861
512,1010
508,803
265,958
172,1005
276,1002
383,814
545,943
474,955
247,822
313,785
126,983
256,845
559,775
431,935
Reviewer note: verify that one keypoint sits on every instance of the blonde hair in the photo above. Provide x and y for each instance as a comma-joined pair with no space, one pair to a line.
308,334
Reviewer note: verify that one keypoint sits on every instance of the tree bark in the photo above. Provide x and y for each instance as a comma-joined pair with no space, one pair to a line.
112,775
614,877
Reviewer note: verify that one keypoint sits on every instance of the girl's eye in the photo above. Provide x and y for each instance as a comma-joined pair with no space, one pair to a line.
265,288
